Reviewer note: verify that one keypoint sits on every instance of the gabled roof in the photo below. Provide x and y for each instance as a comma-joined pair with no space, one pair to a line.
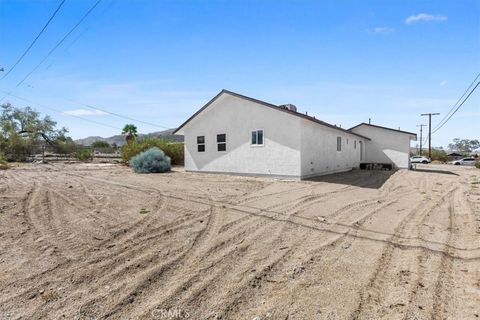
269,105
380,127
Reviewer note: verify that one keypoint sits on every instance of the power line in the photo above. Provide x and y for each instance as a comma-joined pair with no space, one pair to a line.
110,112
461,104
100,15
116,114
59,111
453,107
60,42
35,40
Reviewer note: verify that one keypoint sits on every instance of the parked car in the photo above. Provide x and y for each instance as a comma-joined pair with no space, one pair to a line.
464,162
420,159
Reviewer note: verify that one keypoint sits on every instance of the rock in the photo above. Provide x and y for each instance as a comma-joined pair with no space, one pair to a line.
130,299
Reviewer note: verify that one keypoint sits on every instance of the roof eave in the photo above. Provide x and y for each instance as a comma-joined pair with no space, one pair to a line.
411,134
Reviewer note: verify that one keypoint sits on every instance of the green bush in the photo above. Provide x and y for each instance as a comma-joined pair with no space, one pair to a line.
99,144
477,164
3,163
84,154
134,147
152,160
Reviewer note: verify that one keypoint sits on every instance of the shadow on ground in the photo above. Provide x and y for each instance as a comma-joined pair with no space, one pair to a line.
436,171
373,179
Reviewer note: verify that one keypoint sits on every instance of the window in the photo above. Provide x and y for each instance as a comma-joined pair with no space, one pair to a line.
201,143
354,144
221,142
257,137
339,143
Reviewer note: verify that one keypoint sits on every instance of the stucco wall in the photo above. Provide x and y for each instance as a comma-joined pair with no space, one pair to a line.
386,146
319,150
279,156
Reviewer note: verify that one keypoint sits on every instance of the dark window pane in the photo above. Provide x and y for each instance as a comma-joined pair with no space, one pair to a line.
201,139
260,136
254,137
339,143
222,147
201,148
221,137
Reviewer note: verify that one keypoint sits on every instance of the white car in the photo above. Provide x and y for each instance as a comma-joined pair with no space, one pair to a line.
464,162
419,159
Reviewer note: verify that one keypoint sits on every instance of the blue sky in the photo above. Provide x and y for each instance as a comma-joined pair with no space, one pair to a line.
160,61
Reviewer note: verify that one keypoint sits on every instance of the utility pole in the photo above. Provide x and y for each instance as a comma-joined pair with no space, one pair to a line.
430,131
421,137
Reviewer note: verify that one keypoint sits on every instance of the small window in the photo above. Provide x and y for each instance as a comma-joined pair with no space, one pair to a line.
257,137
354,144
221,142
201,143
339,143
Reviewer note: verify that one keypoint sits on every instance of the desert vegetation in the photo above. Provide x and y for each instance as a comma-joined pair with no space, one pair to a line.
3,163
24,133
135,146
152,160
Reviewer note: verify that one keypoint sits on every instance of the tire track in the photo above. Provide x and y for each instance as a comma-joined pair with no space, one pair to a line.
372,294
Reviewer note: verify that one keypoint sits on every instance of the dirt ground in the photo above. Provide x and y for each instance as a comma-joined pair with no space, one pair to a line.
93,241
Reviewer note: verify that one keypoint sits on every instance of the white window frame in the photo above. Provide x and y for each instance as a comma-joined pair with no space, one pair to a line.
255,145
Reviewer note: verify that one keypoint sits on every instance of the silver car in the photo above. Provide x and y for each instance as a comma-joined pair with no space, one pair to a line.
464,162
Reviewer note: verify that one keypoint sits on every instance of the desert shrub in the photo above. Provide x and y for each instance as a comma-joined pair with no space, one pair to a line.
477,164
3,163
152,160
65,147
99,144
439,155
84,154
173,150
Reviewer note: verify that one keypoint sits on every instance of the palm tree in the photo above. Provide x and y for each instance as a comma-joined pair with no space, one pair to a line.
131,131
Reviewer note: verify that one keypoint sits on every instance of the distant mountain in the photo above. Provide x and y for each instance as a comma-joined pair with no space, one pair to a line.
120,139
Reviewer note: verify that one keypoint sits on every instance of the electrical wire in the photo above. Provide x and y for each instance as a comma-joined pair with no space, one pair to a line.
456,103
461,104
60,42
35,40
109,112
58,111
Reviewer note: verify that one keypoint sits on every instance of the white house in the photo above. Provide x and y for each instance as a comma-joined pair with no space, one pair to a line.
386,145
236,134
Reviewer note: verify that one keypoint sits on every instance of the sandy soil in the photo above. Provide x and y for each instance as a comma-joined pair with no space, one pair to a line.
100,242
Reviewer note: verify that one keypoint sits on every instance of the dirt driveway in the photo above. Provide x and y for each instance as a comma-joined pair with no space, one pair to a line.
87,241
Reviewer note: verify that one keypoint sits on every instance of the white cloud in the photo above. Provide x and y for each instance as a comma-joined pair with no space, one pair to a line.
443,83
84,112
383,30
425,17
